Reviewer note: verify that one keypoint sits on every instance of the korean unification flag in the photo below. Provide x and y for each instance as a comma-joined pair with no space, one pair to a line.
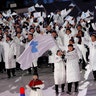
36,48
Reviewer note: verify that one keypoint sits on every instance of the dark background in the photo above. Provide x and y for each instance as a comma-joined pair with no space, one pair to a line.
52,5
25,3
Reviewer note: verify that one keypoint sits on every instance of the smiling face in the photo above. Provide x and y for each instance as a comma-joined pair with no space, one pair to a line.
59,53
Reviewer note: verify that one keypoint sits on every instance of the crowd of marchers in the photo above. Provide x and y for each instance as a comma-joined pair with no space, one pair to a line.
75,38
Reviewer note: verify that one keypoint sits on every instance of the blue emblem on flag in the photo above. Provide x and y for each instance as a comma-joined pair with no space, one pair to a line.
33,44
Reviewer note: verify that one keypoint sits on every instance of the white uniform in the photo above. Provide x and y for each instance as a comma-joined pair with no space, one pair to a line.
72,67
52,57
78,51
74,31
19,46
1,51
59,70
66,40
92,55
59,18
61,34
59,42
55,48
38,92
10,51
82,48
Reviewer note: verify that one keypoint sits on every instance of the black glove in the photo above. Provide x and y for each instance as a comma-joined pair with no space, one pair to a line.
63,56
49,52
38,87
34,88
65,60
24,41
80,61
14,56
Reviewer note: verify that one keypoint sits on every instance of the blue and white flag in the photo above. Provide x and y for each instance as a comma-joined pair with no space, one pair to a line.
36,48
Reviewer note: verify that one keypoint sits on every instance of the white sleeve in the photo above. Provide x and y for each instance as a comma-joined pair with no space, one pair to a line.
58,59
94,26
66,13
15,51
40,86
27,86
79,52
86,41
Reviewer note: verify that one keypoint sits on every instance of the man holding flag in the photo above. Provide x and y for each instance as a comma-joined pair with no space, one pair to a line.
34,63
36,47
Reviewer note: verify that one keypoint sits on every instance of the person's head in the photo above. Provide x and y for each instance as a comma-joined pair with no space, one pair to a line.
79,27
32,30
33,25
54,33
48,28
68,31
6,32
59,12
37,28
6,28
35,76
25,24
93,37
80,33
18,34
59,53
82,22
30,36
71,41
70,47
9,18
18,29
8,38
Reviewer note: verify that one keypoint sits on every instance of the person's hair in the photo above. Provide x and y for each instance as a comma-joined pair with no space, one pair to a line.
82,32
36,74
31,28
54,31
72,40
9,36
70,45
94,35
68,29
30,34
79,25
57,52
